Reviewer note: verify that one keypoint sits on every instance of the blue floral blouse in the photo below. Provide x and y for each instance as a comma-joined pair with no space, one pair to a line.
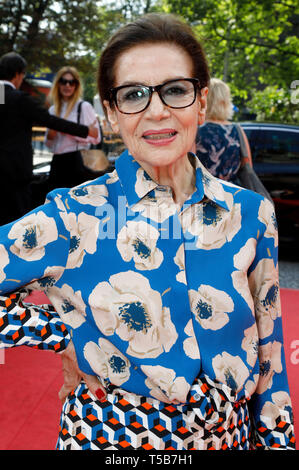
153,294
218,149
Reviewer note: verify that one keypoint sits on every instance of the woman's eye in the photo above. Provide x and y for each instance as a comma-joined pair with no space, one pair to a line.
133,95
175,90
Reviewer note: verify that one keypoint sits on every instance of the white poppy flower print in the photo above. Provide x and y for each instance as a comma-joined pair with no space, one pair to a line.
84,232
68,304
191,219
179,260
59,203
32,234
250,344
250,385
279,409
190,344
113,178
4,260
211,187
138,241
107,361
212,225
210,307
270,364
267,216
157,209
144,183
220,226
164,385
230,370
48,279
95,195
129,307
242,261
264,285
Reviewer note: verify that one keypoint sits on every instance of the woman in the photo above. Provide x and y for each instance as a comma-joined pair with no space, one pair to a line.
184,351
217,140
67,167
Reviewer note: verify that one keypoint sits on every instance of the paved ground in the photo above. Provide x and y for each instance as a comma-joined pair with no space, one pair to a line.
289,274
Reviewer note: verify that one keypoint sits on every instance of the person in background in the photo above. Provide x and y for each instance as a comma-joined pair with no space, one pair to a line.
67,168
183,355
217,139
18,113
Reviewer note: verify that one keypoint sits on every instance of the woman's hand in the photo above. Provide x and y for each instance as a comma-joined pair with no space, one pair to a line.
51,134
73,376
93,130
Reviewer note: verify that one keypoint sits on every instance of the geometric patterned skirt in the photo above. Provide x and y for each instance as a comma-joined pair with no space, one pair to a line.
211,419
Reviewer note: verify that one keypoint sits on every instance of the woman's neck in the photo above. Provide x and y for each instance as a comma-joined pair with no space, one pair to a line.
180,177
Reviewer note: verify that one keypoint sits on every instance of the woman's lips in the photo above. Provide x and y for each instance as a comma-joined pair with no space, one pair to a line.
160,137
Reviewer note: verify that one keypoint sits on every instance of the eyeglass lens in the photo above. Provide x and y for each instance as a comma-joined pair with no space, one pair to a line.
175,94
64,81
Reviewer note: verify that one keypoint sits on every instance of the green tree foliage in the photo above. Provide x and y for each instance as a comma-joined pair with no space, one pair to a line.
51,34
46,32
251,45
254,46
274,104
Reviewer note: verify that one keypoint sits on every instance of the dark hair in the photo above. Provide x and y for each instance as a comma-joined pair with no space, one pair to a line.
150,28
11,64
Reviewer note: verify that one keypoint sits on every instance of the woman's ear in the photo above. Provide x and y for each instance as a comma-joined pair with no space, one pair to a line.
112,117
202,105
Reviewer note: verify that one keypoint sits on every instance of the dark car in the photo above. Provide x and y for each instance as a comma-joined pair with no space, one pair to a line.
275,155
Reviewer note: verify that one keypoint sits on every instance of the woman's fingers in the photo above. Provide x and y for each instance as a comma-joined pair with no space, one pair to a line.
95,386
72,376
93,130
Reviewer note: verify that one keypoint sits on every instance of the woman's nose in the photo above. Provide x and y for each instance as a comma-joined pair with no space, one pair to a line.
157,109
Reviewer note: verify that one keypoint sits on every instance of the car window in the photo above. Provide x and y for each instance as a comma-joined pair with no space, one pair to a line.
277,146
253,137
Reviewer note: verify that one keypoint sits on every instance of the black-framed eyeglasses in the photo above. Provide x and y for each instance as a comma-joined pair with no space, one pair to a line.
64,81
133,99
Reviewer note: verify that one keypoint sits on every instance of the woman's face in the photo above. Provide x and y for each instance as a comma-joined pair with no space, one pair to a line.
67,86
159,135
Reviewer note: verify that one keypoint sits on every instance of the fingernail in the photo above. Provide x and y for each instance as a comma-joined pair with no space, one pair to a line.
100,394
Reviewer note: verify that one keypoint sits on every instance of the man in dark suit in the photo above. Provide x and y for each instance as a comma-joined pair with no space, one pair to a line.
18,113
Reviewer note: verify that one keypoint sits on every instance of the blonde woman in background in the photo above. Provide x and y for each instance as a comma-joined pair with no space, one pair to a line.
217,140
67,167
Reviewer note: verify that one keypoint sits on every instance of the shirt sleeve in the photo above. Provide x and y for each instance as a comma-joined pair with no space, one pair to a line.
38,114
31,325
33,252
271,403
49,142
88,117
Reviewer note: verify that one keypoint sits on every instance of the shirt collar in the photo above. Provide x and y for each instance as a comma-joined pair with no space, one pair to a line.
6,82
134,180
136,183
209,186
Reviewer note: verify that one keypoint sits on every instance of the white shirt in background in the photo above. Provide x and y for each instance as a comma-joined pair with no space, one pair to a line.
64,143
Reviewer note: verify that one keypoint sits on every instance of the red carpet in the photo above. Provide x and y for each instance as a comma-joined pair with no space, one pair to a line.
290,316
30,380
